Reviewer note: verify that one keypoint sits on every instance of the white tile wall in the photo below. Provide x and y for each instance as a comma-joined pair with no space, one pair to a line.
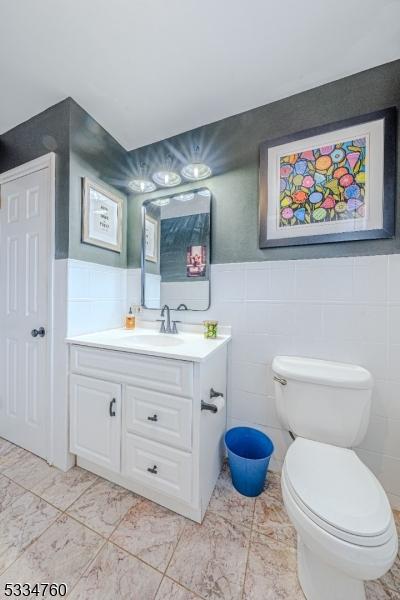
97,297
345,309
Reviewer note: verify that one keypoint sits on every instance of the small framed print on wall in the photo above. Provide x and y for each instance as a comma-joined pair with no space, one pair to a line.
151,239
101,216
331,183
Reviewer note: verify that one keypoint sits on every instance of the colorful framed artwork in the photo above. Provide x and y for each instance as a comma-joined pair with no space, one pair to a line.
196,261
102,213
151,239
331,183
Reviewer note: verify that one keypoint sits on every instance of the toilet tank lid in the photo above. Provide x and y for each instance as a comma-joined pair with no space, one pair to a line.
322,372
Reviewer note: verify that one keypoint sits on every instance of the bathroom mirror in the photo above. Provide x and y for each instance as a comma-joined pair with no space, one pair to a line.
176,251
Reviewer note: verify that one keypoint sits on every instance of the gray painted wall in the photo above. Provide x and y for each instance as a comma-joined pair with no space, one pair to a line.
82,148
231,146
46,132
94,153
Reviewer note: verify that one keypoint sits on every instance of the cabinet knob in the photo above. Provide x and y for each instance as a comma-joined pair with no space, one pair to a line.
153,418
152,470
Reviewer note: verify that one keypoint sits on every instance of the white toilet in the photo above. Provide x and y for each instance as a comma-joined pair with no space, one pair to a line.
345,527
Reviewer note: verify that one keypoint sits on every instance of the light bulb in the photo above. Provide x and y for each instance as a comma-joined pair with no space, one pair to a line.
166,178
196,171
142,185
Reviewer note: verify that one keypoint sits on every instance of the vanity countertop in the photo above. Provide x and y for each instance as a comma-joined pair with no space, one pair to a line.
186,345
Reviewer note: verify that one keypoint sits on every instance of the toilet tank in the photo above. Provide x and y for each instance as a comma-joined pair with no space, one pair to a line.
323,400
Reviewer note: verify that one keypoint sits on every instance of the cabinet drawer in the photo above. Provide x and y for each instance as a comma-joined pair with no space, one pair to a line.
161,467
161,417
163,374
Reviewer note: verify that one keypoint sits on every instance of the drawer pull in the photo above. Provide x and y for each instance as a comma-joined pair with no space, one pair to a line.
153,418
110,408
152,470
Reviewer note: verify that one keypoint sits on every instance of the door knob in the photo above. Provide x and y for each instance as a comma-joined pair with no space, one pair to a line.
41,332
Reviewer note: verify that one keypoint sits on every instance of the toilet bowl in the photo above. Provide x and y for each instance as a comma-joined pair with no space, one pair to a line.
345,527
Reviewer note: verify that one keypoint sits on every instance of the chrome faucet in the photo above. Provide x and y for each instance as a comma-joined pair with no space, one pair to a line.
166,326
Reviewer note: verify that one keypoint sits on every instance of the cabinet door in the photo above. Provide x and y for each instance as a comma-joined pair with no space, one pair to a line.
95,433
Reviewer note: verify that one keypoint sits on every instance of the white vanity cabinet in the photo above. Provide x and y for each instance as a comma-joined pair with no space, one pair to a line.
136,420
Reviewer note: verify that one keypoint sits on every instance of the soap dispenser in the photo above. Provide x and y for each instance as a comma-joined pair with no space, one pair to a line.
130,320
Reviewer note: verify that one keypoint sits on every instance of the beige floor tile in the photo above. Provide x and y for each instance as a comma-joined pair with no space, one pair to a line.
150,532
271,571
60,555
102,506
270,517
210,559
169,590
116,575
21,523
396,514
62,489
10,454
273,483
9,492
374,590
228,503
29,471
392,577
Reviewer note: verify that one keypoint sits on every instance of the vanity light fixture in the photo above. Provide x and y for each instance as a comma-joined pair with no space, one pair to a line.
196,171
142,185
166,178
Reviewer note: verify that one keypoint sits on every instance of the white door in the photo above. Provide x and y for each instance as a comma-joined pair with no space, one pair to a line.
24,307
95,421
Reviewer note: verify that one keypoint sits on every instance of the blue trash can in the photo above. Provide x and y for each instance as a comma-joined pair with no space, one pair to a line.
249,452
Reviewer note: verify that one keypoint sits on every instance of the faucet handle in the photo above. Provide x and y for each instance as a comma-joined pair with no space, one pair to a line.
162,326
174,327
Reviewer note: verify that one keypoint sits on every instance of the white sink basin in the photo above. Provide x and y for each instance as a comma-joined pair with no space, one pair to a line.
161,340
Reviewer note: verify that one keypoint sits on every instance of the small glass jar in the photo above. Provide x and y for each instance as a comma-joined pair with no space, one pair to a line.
210,329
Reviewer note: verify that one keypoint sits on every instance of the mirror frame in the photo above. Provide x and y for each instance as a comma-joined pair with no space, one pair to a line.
142,253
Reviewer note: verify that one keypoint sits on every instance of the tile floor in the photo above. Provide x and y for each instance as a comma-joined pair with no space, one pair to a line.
107,543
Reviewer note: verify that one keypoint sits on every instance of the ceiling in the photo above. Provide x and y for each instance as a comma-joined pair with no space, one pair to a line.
149,69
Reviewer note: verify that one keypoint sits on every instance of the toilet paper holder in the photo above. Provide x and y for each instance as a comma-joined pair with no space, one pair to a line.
210,406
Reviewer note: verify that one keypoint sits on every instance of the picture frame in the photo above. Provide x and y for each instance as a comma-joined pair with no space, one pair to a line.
151,235
331,183
196,261
102,213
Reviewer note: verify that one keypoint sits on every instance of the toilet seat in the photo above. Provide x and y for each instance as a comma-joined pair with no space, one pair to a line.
353,506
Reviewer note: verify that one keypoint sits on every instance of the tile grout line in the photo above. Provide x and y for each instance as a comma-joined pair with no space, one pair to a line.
172,555
248,549
88,566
